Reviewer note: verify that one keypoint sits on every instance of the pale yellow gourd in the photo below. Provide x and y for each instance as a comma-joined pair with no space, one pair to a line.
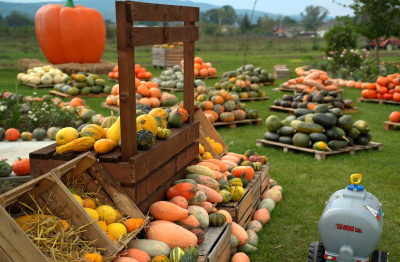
114,132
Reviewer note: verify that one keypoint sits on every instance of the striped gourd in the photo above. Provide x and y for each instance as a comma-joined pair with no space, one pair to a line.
236,182
161,122
217,219
160,258
176,254
163,133
257,166
192,251
159,112
94,131
237,193
79,145
204,180
201,170
109,121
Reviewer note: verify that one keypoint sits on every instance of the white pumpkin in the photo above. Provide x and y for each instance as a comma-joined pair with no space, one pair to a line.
19,77
57,79
30,70
46,79
35,80
25,78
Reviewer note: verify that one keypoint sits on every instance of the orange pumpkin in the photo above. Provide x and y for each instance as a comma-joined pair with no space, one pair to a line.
239,170
21,166
187,190
70,33
368,94
395,116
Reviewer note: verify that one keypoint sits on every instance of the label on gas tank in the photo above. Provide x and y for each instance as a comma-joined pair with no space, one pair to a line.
376,213
348,228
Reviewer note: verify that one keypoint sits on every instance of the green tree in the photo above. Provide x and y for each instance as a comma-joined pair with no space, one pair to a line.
266,24
377,18
313,17
16,19
210,16
227,15
245,24
341,36
287,20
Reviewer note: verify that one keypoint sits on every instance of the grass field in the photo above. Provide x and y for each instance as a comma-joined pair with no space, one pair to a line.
307,183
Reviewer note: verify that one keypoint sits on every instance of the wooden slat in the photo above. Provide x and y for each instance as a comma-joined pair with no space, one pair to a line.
126,65
168,13
211,237
163,151
44,152
140,36
122,172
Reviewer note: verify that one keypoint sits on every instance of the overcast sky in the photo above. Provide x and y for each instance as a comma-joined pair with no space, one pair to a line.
284,7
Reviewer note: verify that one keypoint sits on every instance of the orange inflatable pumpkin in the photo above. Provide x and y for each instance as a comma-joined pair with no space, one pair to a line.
70,33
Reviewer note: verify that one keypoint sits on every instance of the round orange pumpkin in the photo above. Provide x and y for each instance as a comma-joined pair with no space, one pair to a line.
395,116
70,33
21,166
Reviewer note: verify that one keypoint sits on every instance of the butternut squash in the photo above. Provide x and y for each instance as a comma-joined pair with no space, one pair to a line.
213,196
222,167
189,223
202,170
211,166
103,146
138,254
239,233
79,145
171,234
229,163
167,211
208,206
204,180
231,158
239,156
218,175
180,201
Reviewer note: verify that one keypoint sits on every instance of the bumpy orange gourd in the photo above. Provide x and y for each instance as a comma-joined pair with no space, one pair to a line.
70,33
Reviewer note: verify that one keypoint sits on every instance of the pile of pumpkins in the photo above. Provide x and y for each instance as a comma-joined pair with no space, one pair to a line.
202,69
82,83
42,75
147,93
310,100
311,80
173,78
222,105
104,134
255,75
140,72
192,205
386,87
322,128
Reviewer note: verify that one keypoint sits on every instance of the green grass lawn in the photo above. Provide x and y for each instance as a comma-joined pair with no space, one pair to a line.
307,183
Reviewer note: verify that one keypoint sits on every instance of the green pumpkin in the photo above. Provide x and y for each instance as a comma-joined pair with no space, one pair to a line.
163,133
39,134
161,122
217,219
192,251
145,139
5,168
257,166
176,254
175,119
244,180
187,258
226,195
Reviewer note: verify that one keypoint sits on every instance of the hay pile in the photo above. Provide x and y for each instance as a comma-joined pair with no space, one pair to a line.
101,68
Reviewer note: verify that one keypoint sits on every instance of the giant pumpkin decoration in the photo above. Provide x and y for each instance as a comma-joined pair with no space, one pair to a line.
70,33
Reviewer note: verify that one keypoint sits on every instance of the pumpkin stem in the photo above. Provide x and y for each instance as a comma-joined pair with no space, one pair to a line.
69,3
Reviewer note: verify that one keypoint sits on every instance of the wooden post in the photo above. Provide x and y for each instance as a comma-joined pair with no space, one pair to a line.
188,58
127,91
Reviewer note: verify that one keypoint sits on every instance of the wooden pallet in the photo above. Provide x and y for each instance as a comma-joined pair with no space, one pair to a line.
233,124
206,77
172,90
216,246
61,94
141,79
251,99
39,86
291,110
321,155
389,125
166,57
266,84
379,101
114,108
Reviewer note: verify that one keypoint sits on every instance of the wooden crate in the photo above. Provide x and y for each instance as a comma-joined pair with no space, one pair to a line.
281,71
217,244
252,99
255,184
206,129
166,57
64,95
379,101
264,178
321,155
291,110
16,245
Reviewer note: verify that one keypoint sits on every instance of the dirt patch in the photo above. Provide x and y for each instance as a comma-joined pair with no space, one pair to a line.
101,68
7,185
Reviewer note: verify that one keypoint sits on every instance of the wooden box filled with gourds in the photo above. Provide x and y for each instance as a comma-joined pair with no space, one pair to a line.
77,204
130,165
